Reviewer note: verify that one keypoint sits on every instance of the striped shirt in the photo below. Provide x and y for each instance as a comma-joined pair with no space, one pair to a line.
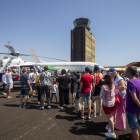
108,96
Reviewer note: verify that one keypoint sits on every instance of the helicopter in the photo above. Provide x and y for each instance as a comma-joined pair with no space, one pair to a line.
15,63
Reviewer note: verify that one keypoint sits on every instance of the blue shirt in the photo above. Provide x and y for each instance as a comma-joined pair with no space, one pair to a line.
23,78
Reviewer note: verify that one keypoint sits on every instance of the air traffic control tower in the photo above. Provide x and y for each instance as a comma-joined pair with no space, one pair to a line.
82,41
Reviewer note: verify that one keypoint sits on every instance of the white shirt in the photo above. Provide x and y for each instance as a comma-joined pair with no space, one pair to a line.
30,77
4,79
8,78
115,82
54,88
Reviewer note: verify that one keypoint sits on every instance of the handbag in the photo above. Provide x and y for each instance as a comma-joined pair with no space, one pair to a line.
117,100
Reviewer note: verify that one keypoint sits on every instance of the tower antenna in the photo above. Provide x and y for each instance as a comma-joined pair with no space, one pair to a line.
9,45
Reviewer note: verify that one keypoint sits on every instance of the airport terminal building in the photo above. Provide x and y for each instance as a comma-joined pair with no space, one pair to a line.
82,41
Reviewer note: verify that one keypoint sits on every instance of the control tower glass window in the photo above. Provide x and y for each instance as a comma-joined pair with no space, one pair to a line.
80,22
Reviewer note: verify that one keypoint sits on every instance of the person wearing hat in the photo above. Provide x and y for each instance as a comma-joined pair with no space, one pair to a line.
85,88
97,77
54,90
120,109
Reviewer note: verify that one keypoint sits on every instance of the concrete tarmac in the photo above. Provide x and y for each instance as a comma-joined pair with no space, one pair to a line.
49,124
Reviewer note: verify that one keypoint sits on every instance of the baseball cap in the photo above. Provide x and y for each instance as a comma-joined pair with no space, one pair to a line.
54,81
87,69
111,70
96,67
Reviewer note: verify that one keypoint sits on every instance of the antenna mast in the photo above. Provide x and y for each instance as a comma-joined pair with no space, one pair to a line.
9,45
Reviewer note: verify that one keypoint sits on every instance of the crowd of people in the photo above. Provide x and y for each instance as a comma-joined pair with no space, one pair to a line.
118,94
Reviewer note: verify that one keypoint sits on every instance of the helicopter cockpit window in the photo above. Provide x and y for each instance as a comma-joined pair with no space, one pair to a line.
15,69
27,67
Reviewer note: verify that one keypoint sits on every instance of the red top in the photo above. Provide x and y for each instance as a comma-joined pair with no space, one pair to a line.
98,77
86,79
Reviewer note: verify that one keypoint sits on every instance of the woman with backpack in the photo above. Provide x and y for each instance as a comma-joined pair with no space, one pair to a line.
38,83
97,77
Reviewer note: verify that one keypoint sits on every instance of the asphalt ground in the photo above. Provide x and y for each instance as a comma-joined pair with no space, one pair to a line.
49,124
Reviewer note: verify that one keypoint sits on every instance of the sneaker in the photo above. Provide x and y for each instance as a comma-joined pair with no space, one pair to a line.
60,107
111,135
88,118
41,107
74,111
21,105
67,106
80,118
4,93
93,116
107,129
72,103
49,107
25,106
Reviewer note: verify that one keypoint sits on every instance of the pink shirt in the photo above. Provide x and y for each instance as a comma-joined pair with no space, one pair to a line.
108,96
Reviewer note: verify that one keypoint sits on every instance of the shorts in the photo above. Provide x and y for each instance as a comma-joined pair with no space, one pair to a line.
55,94
133,119
108,110
87,96
9,86
97,91
24,92
33,86
77,95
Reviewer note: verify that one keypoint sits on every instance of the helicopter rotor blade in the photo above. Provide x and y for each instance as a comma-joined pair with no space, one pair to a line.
43,57
5,53
11,49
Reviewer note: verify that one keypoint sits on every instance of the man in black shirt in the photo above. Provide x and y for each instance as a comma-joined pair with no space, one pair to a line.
63,81
25,85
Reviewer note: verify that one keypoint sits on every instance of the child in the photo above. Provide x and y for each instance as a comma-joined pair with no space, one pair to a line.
77,87
54,90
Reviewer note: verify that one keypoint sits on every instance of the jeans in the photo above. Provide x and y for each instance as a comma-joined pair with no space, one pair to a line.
132,120
47,90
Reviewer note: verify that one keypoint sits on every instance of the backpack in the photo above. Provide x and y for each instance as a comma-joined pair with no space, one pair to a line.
37,82
101,82
33,77
46,79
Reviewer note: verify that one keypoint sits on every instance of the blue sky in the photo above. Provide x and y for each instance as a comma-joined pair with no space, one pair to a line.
45,26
